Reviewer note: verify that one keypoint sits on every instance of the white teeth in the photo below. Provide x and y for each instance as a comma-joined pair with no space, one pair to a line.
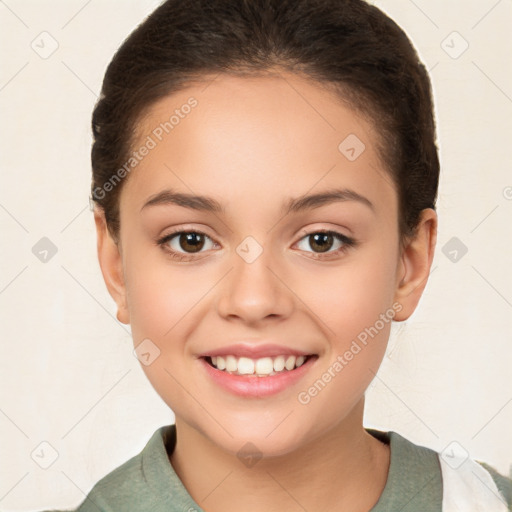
279,364
231,365
245,366
290,363
262,367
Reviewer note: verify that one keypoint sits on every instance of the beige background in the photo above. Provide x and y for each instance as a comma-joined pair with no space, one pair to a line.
69,378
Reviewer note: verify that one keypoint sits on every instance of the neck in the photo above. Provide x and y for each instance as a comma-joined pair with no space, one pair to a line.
346,468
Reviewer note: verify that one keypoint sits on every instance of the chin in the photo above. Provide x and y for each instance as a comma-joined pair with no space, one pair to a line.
271,437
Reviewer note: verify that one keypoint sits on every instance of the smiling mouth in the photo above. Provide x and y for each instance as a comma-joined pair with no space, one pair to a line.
262,367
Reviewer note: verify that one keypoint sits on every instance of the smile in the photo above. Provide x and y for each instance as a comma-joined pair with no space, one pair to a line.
257,377
262,367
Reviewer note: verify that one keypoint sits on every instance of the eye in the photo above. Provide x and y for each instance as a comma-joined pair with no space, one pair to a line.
323,241
182,243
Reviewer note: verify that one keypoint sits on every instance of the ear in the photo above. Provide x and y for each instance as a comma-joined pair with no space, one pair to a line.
111,263
414,264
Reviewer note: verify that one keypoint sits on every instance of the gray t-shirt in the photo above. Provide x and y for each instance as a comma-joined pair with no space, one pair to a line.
148,483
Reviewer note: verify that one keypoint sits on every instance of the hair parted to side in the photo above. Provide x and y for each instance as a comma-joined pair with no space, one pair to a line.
348,46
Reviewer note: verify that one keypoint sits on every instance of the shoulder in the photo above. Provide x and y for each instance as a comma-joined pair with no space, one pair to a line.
464,480
113,490
414,478
420,478
135,484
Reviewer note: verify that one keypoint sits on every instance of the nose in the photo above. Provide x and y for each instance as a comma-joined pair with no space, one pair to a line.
255,291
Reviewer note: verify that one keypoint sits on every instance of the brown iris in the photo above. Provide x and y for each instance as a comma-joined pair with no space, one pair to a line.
321,241
191,242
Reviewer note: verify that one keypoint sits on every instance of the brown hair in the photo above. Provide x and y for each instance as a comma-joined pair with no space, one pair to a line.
347,45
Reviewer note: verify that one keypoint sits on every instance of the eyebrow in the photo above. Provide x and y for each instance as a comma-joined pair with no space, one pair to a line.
292,205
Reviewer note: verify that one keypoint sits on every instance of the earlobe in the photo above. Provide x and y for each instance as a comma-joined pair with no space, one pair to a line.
414,265
111,264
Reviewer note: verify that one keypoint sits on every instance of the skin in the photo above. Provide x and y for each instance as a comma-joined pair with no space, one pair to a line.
253,143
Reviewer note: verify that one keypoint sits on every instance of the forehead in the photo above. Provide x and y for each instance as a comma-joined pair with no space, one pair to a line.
242,135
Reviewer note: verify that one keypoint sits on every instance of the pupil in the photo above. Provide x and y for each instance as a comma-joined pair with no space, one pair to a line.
195,242
323,241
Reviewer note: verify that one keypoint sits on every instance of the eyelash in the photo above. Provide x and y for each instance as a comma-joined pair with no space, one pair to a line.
345,240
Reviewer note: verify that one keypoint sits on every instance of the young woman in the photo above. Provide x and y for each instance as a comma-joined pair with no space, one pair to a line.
265,176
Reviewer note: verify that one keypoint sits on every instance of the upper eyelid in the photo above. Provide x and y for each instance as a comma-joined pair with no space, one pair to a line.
172,234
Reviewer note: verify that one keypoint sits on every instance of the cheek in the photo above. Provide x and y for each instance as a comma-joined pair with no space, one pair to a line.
349,298
359,313
355,306
161,302
159,295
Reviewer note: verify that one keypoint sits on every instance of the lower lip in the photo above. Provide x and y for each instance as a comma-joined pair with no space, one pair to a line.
254,386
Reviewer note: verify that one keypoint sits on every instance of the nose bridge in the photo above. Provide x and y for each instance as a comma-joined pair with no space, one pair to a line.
253,291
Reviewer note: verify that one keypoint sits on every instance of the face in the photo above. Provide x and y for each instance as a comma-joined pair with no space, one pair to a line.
290,257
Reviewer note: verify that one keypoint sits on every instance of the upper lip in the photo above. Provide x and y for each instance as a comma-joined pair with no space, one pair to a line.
254,351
